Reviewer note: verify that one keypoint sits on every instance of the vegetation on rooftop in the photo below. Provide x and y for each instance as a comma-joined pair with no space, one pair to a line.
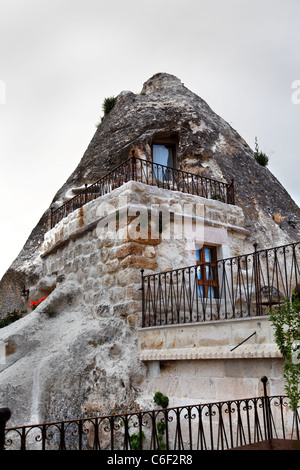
260,156
108,104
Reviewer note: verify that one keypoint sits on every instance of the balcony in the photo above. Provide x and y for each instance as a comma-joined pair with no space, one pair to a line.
154,174
234,288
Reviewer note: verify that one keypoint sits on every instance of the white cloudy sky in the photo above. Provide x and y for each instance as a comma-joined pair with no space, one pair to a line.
60,58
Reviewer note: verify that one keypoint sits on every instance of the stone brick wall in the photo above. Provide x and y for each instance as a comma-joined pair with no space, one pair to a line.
104,261
205,362
87,358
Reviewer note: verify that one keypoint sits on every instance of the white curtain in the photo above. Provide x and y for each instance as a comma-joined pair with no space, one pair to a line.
162,155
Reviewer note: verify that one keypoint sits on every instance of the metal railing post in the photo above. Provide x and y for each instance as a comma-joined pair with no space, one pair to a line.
5,415
133,165
257,280
267,410
143,299
233,192
51,217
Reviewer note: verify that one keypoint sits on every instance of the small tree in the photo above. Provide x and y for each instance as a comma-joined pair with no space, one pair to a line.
260,157
286,322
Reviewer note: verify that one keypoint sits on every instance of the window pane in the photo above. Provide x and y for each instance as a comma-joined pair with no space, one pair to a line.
160,154
163,155
199,273
207,272
170,161
200,291
209,254
210,292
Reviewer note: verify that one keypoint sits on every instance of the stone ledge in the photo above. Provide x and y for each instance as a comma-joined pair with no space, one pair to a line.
252,333
138,196
224,321
218,352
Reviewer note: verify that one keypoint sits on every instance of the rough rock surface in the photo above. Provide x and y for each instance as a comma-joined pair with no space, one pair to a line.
69,365
85,360
206,145
79,352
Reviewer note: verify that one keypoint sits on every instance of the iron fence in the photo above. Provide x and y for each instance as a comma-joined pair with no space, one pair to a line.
211,426
237,287
154,174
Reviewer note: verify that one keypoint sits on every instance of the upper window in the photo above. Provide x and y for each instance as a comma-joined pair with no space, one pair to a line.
207,272
163,155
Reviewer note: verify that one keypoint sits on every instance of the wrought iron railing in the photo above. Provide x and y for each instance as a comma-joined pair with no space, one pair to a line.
237,287
211,426
154,174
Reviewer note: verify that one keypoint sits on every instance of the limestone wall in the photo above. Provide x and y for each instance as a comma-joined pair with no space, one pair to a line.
95,248
206,361
78,353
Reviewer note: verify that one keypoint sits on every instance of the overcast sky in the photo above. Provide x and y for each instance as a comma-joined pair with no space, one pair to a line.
59,59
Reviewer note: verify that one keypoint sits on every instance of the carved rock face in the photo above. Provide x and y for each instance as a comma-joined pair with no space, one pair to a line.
166,110
86,358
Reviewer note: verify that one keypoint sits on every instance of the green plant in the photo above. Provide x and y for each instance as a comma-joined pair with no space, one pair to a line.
50,310
218,197
260,157
286,322
161,400
161,427
11,317
135,440
108,104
